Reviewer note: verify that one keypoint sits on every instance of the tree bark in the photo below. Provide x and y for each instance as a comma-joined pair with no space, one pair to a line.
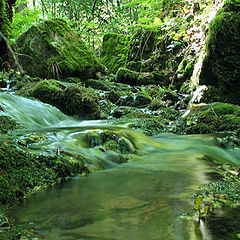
5,28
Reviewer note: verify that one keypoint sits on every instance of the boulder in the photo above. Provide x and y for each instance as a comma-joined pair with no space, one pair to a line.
52,50
70,98
221,65
114,51
211,118
134,78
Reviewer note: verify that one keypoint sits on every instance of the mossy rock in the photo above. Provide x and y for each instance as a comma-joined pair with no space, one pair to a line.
212,118
156,104
142,45
200,128
120,111
7,124
114,51
52,50
70,98
149,126
133,78
221,66
99,84
20,172
109,141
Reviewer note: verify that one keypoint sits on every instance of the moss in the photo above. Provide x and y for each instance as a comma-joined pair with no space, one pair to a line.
221,66
229,122
156,104
109,141
134,66
7,124
200,128
70,98
5,24
57,52
114,51
133,78
20,172
99,84
149,126
217,117
135,115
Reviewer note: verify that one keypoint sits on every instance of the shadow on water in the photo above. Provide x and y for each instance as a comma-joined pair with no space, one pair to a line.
137,200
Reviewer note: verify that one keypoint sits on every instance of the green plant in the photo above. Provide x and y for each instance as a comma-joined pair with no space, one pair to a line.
23,20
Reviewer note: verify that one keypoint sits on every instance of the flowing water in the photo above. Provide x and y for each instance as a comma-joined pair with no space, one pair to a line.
142,199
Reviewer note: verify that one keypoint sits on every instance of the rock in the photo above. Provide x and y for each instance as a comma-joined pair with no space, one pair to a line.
142,45
211,118
109,141
21,171
114,51
70,98
7,124
133,78
52,50
221,65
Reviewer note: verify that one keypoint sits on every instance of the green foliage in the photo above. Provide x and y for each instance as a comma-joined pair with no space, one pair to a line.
114,51
23,20
5,25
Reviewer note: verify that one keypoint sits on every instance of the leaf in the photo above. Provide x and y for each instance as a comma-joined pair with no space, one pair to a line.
198,202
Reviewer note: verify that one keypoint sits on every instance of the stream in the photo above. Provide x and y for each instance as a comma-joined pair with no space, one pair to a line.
144,198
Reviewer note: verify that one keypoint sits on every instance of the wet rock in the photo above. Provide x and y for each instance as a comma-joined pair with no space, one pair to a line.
70,98
21,171
7,124
108,140
52,50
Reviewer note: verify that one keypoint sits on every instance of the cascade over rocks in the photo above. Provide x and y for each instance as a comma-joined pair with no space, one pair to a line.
221,66
51,49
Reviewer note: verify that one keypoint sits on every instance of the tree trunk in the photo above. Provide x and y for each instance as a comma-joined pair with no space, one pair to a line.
5,28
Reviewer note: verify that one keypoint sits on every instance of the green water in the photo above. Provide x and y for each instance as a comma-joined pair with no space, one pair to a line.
138,200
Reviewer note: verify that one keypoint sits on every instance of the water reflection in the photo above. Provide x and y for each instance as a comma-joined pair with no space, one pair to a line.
140,200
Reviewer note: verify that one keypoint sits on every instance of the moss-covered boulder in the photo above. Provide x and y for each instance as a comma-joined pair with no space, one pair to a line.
7,124
109,141
21,172
52,50
221,66
145,123
134,78
211,118
70,98
114,51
